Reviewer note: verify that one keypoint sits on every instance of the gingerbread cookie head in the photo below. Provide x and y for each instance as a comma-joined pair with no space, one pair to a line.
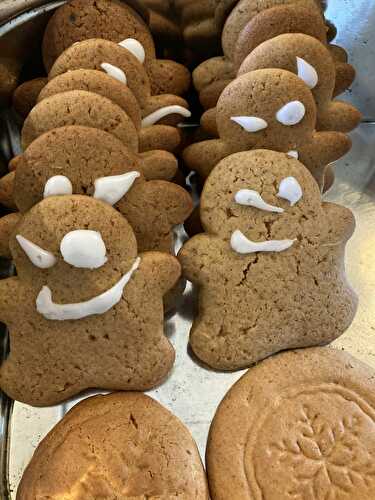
269,244
91,305
312,62
115,21
270,109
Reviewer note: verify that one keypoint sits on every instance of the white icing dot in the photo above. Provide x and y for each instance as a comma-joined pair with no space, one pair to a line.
135,47
114,71
242,245
293,153
112,188
97,305
253,198
38,256
250,123
290,189
307,73
291,114
157,115
57,185
84,249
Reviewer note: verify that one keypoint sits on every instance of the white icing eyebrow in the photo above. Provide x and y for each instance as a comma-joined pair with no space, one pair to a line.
135,47
290,189
291,113
157,115
112,188
250,123
115,72
242,245
38,256
84,249
307,73
57,185
253,199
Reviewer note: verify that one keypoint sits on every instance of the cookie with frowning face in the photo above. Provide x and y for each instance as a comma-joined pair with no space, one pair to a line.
270,264
86,309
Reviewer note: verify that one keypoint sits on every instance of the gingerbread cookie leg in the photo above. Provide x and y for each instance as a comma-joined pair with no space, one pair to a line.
7,225
6,191
158,165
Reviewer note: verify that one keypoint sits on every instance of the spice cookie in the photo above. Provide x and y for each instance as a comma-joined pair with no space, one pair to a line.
270,109
105,333
120,63
122,445
312,62
25,96
298,425
270,265
112,20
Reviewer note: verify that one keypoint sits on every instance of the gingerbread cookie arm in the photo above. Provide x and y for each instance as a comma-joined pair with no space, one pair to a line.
211,71
6,191
203,156
159,137
341,222
339,116
168,77
158,165
10,299
208,122
7,225
25,96
345,75
198,257
160,270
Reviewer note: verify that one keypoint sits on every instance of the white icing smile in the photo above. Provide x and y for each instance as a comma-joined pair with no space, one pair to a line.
163,112
241,244
97,305
114,71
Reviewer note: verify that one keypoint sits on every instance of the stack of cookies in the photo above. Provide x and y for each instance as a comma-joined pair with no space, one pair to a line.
95,196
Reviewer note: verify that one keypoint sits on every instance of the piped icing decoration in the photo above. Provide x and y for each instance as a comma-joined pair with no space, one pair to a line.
84,248
291,114
250,123
57,185
290,189
157,115
135,47
307,73
293,154
252,198
38,256
242,245
97,305
114,71
112,188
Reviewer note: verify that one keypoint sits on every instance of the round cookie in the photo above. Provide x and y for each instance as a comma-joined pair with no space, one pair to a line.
122,445
99,83
25,96
298,425
78,107
270,264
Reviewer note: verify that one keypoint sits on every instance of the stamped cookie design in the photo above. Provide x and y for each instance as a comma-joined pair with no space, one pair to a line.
271,109
304,423
116,21
269,265
67,338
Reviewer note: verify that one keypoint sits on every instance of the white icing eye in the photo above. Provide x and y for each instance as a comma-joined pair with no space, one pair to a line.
114,72
57,185
307,73
135,47
291,114
241,244
38,256
112,188
162,113
83,248
290,189
293,154
250,123
253,199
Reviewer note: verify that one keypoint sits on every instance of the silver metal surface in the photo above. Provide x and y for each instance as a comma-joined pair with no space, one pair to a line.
193,392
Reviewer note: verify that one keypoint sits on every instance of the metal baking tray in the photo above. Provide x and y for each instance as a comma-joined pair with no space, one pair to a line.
192,392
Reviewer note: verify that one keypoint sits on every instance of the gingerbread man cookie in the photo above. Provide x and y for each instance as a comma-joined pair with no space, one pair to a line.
298,425
271,109
85,310
270,265
112,20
